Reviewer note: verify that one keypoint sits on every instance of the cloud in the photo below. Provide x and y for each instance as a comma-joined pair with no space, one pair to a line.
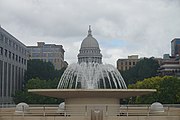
122,27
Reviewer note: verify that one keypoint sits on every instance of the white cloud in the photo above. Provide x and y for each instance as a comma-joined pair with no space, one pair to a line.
146,27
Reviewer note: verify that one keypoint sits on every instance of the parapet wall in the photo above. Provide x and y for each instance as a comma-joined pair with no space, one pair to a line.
85,118
91,112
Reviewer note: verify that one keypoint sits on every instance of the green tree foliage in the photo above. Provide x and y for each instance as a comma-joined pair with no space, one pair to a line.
25,96
39,75
41,70
145,68
168,90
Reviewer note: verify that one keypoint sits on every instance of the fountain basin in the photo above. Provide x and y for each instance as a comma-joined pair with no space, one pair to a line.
93,100
92,93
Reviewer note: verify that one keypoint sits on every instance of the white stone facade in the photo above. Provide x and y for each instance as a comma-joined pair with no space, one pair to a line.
13,64
90,51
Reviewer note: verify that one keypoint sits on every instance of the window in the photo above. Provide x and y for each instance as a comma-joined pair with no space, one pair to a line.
44,54
24,61
36,54
1,74
22,51
1,50
13,56
19,59
36,50
16,57
16,47
6,40
50,55
5,78
13,78
9,54
5,52
19,49
1,37
10,42
129,63
9,79
43,50
133,63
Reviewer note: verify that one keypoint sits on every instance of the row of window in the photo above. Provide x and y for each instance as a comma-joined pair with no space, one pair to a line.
125,68
86,59
45,49
46,55
128,63
12,56
90,51
52,60
12,44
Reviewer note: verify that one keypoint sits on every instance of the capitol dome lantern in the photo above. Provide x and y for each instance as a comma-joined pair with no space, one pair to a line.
90,51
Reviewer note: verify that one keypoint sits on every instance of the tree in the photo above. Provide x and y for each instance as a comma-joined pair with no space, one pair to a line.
42,70
39,75
145,68
25,96
168,90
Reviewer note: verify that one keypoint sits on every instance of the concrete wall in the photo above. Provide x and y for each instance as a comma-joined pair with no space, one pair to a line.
85,118
90,113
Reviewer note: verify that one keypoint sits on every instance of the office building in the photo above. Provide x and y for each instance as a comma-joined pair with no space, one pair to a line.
170,66
13,64
131,61
175,47
49,53
126,64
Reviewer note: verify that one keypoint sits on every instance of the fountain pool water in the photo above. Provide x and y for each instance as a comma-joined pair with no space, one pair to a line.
91,76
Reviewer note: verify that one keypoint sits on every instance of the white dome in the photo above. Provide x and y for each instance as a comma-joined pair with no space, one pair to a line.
89,51
89,42
61,106
157,107
22,107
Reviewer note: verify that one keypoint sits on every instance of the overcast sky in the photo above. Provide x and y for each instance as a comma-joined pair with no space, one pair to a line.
122,27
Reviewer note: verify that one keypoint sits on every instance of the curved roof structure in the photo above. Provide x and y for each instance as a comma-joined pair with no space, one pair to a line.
157,107
89,41
90,51
22,107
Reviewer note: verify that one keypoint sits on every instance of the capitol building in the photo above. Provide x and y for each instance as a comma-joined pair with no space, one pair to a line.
90,51
91,91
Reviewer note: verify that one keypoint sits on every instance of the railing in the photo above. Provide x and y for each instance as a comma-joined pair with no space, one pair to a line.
85,110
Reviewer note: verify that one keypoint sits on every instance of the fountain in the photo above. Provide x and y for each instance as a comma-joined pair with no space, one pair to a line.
90,83
91,76
89,72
